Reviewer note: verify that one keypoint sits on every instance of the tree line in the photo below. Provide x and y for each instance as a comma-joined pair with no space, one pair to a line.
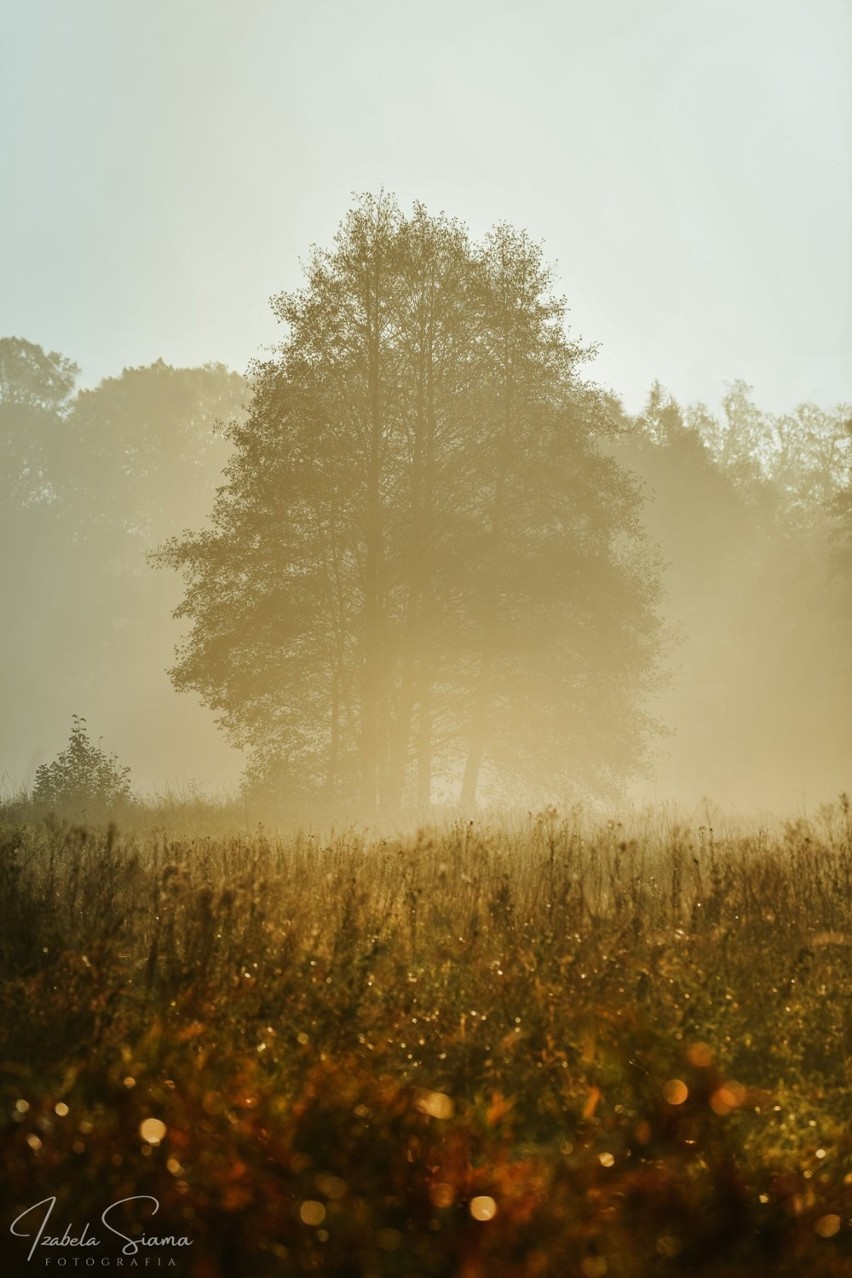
428,558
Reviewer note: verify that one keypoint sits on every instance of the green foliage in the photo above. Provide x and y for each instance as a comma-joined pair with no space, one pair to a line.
496,1051
83,780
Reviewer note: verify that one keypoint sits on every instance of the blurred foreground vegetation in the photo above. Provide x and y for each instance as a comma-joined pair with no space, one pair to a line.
537,1047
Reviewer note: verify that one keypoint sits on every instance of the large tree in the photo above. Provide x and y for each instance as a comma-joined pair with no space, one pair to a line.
423,571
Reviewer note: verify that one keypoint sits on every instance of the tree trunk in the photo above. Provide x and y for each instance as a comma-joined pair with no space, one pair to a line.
476,749
491,611
411,691
424,743
334,743
373,709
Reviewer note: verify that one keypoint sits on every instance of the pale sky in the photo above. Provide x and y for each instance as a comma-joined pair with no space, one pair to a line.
686,163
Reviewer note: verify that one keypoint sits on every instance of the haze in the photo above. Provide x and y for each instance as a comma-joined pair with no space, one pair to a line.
685,165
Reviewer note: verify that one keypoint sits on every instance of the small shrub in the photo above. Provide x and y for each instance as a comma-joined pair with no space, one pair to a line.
82,781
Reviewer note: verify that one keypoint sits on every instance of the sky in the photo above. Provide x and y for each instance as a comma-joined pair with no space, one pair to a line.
167,165
687,165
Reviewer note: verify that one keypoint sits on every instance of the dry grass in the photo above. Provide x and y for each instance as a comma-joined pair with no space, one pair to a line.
633,1039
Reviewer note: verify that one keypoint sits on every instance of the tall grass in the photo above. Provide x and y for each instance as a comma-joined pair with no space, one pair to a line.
537,1046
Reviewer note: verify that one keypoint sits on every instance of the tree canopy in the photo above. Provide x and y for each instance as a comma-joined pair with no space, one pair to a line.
425,573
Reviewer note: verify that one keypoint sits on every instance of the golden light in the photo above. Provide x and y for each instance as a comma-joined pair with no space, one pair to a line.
483,1208
827,1226
435,1104
699,1055
312,1212
152,1130
441,1194
333,1187
675,1091
727,1098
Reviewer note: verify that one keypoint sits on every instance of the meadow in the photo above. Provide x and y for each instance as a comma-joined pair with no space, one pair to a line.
510,1048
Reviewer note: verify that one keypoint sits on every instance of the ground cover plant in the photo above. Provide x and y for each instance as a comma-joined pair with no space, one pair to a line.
542,1045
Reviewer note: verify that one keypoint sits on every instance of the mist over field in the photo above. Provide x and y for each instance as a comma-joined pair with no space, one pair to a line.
668,620
622,579
426,595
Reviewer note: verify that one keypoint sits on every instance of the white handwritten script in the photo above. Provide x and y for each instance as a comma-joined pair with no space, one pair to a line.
30,1220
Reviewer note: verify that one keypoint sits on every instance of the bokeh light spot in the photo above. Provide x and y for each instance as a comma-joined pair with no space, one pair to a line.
435,1104
675,1091
152,1130
483,1208
312,1212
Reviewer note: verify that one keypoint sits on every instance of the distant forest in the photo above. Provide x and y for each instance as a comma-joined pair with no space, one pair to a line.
731,610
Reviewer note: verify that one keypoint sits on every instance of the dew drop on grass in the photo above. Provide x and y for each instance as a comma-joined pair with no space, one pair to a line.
152,1130
483,1208
312,1212
435,1104
675,1091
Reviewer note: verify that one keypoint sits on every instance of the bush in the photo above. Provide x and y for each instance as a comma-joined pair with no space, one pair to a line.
83,780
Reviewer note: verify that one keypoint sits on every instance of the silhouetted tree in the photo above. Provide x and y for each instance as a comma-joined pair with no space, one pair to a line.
37,560
89,483
422,566
146,452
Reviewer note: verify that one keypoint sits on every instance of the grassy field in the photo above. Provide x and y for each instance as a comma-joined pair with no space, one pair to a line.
538,1047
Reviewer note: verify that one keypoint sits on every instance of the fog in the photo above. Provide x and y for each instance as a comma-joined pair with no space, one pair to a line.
611,563
659,609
